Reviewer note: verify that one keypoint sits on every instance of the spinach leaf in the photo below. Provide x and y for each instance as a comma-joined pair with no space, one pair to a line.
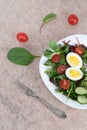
20,56
47,19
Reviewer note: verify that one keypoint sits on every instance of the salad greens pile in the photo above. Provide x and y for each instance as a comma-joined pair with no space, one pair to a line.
76,90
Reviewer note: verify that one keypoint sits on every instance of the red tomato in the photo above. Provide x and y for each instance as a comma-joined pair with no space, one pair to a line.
55,58
73,19
61,69
64,83
22,37
79,50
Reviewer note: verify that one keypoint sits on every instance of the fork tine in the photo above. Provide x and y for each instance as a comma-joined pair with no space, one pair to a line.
22,86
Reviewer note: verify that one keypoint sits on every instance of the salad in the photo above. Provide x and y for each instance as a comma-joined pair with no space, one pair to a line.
67,69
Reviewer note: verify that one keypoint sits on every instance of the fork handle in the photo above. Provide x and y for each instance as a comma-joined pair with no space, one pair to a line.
55,110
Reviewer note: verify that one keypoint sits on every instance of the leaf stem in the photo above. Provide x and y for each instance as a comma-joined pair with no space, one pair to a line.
70,91
37,56
41,27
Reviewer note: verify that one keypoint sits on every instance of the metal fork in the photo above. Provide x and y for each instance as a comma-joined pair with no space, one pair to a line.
59,113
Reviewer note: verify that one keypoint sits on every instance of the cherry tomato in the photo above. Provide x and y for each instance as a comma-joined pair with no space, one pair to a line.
55,58
61,69
22,37
64,84
73,19
79,50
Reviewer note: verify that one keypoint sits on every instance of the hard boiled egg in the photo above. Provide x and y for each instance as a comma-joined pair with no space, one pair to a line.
74,60
74,73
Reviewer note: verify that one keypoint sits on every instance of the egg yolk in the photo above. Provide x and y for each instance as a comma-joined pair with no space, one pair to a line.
73,60
74,73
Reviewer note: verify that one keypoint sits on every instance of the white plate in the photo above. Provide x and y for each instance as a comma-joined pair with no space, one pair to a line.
83,40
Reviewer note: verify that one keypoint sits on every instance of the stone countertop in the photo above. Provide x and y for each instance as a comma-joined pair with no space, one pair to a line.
17,111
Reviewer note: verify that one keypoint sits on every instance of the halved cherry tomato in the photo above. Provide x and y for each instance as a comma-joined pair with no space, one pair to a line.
73,19
55,58
64,84
79,50
61,69
22,37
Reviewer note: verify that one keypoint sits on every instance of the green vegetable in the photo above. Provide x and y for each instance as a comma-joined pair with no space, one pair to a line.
48,53
20,56
48,63
66,48
74,92
69,90
51,72
56,48
82,99
47,19
53,45
81,91
84,57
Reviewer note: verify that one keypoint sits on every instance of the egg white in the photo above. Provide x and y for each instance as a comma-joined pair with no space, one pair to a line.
74,73
74,60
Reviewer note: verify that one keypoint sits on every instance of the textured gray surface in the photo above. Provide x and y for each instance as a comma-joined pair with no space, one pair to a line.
17,111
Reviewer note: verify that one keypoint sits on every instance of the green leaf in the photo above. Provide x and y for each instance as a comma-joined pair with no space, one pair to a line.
51,72
66,48
59,48
48,53
20,56
84,57
56,47
49,17
63,60
48,63
52,44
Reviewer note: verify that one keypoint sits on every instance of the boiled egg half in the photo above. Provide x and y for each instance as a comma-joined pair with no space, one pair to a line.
74,73
74,60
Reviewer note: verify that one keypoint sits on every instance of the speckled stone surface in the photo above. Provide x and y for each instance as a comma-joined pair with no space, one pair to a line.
17,111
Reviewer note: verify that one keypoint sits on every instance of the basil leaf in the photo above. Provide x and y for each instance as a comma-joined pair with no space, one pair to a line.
20,56
49,17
